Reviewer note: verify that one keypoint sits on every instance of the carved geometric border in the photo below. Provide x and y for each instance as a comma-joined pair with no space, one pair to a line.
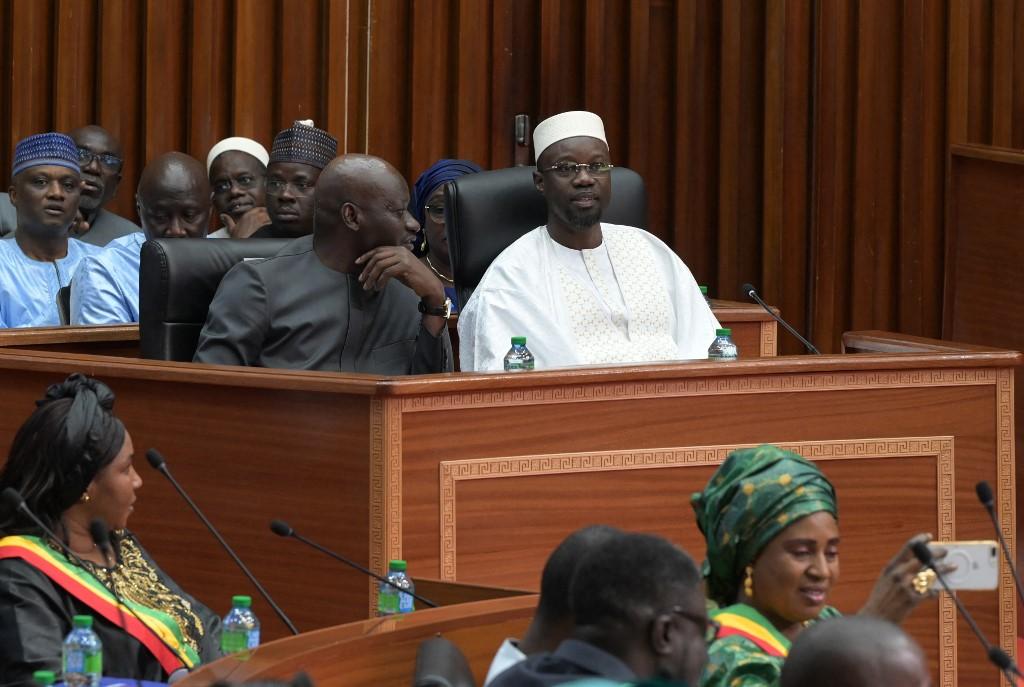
940,448
753,384
1006,506
385,488
769,339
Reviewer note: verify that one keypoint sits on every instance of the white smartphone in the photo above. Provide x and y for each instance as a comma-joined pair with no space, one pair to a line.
977,564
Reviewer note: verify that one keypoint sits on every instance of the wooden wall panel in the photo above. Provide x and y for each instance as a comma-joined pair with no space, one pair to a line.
796,144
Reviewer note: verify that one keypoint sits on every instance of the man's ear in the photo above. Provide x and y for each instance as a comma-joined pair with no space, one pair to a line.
538,181
660,637
350,216
12,194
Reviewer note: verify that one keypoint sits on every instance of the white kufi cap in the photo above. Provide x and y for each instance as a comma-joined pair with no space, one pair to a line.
567,125
239,143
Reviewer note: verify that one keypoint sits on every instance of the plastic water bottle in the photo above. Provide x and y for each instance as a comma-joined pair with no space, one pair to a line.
391,601
722,348
519,356
240,630
82,654
44,678
704,292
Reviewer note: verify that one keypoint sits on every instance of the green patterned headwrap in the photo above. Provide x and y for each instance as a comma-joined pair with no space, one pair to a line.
754,495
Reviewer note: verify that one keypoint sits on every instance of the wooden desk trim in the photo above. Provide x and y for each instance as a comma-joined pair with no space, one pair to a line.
29,336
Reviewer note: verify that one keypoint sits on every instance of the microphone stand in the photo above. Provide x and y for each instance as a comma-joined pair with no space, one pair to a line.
751,293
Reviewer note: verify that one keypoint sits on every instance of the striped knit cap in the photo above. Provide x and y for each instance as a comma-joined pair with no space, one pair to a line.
306,144
50,148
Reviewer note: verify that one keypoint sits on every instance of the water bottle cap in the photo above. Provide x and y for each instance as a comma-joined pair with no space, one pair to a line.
396,565
44,677
518,340
704,290
723,332
241,601
82,621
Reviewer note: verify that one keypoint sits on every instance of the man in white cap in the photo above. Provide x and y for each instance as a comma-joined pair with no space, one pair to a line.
238,169
583,292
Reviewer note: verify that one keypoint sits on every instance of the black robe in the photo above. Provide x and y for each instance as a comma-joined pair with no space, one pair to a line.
36,615
291,311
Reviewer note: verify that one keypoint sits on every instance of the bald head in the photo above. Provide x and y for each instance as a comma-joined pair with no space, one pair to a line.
363,200
173,197
855,652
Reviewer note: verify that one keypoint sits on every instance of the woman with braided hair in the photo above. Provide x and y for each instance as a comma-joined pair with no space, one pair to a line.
72,463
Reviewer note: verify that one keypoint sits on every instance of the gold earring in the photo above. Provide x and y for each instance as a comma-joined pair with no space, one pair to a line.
85,497
748,582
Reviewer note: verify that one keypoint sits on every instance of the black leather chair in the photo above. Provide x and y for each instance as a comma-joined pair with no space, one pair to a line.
177,281
439,663
488,211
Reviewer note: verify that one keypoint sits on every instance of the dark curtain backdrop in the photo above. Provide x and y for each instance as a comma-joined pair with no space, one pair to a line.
799,145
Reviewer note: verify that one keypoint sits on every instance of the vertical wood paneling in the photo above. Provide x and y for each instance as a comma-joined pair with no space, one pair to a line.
74,70
799,145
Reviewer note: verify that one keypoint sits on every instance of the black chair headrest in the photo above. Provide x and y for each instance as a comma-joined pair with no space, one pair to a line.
439,663
178,279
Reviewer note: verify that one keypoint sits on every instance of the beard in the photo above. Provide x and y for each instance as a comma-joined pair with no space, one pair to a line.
580,220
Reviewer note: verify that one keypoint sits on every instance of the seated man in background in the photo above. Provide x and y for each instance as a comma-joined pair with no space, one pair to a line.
297,157
100,161
640,614
553,621
858,651
41,259
580,291
351,297
173,200
238,170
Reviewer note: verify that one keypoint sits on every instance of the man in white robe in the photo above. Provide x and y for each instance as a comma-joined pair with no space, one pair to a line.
580,291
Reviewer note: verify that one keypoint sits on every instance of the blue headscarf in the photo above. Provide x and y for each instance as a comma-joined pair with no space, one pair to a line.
441,172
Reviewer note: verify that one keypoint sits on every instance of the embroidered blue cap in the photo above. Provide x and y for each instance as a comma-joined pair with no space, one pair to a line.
50,148
304,143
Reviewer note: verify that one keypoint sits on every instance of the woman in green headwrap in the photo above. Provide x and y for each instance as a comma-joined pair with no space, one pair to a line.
771,524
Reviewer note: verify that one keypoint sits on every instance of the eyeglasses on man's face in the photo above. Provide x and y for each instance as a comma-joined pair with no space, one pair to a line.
111,162
277,186
245,182
569,170
709,628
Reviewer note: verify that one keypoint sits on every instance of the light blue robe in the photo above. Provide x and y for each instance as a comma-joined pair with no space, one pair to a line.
28,288
106,286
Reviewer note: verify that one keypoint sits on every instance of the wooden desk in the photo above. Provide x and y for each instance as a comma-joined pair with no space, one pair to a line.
380,651
754,332
476,477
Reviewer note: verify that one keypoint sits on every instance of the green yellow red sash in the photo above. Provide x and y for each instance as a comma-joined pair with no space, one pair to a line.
154,625
744,621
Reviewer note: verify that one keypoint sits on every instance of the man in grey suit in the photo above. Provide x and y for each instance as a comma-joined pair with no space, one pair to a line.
100,159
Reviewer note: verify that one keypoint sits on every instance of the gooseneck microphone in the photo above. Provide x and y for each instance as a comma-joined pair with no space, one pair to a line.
995,654
15,502
750,292
283,529
156,460
984,492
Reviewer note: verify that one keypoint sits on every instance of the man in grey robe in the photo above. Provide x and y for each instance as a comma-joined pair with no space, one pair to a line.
351,297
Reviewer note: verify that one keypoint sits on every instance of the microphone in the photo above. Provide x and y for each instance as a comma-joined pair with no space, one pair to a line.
15,502
156,460
283,529
750,292
995,654
984,492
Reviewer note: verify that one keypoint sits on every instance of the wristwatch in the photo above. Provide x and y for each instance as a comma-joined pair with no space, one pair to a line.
444,310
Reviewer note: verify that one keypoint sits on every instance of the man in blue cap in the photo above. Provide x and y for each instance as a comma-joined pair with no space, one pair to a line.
46,184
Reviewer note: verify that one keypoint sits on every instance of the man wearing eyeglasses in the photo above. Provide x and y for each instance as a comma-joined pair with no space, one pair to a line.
100,158
581,291
639,614
297,157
